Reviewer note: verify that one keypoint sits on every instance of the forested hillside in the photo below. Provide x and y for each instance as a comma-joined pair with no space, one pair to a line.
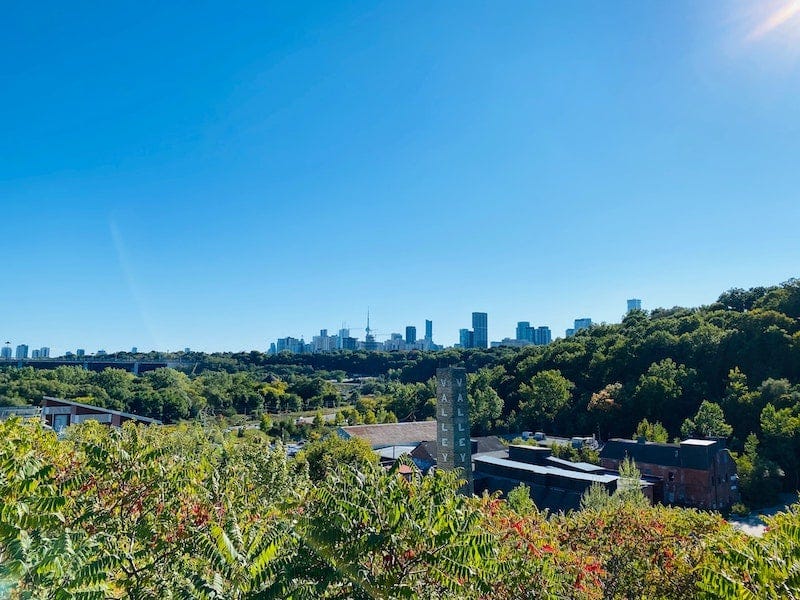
731,369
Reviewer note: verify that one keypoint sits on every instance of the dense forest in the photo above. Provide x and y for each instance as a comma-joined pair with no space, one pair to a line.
188,512
729,369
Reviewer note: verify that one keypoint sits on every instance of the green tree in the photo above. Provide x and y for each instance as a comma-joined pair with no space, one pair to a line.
546,395
708,422
485,405
323,456
781,441
753,567
659,391
652,432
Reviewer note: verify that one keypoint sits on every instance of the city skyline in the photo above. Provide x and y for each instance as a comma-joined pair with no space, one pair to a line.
275,167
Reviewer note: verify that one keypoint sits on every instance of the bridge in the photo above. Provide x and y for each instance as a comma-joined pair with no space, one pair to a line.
91,363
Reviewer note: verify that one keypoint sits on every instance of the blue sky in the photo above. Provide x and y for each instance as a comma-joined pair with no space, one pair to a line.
220,174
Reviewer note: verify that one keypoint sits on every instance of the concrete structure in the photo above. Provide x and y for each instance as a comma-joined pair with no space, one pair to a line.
539,336
349,343
411,334
508,342
44,352
466,338
634,304
24,412
344,332
290,344
454,449
542,336
59,414
394,343
428,330
323,342
480,328
695,473
22,351
80,352
6,352
582,323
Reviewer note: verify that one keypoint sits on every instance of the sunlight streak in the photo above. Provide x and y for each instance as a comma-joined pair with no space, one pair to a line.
777,18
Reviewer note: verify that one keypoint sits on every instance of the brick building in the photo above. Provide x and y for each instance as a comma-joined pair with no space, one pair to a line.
696,473
554,484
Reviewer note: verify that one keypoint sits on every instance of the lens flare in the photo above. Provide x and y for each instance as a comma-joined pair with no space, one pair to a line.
785,15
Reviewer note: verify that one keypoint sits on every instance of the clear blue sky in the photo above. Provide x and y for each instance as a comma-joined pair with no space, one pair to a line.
220,174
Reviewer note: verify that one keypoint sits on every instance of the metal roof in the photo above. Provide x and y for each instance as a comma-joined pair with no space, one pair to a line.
101,409
696,454
574,466
545,470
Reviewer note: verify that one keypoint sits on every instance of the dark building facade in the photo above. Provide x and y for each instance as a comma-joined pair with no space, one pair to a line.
59,414
695,473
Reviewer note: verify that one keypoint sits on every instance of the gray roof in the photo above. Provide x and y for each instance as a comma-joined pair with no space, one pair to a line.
392,434
392,452
583,467
545,470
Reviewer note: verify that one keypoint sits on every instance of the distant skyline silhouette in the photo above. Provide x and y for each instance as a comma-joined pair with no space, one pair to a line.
223,174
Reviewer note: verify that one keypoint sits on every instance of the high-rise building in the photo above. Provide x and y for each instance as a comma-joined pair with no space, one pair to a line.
634,304
583,323
134,350
6,352
569,332
22,351
80,352
480,328
35,353
290,344
428,330
323,342
44,352
466,339
542,336
344,333
524,331
411,335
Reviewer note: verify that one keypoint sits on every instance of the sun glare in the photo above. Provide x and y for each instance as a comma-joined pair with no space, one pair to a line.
780,17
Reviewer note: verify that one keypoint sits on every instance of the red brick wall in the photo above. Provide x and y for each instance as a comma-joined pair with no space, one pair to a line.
693,487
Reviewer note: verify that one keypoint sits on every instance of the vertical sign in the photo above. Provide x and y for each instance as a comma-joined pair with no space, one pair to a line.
454,449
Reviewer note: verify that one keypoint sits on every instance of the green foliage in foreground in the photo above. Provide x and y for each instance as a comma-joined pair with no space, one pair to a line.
187,512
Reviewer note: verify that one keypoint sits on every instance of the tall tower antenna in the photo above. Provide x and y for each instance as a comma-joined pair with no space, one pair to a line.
368,329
